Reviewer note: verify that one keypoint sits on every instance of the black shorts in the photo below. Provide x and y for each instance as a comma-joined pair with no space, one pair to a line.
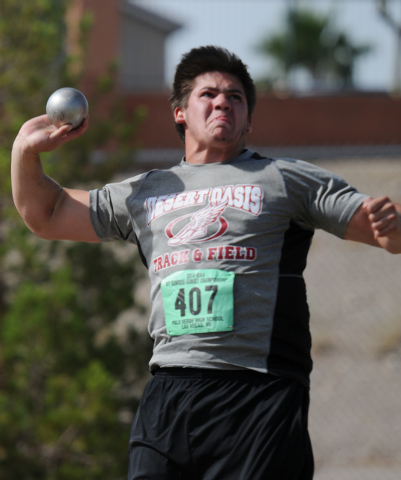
221,425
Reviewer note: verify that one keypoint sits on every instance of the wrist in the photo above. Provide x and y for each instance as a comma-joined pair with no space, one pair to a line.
23,149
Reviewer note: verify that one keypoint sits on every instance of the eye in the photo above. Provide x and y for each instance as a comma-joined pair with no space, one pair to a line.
207,94
236,97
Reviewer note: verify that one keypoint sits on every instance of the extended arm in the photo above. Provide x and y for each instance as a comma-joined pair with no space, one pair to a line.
377,222
47,209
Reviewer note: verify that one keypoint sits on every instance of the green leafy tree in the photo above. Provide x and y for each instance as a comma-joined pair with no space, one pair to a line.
312,42
67,382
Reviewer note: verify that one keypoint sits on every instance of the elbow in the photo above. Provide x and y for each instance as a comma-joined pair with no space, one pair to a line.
38,229
42,235
396,250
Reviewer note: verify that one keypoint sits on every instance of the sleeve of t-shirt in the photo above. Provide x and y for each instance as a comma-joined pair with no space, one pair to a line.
320,199
109,210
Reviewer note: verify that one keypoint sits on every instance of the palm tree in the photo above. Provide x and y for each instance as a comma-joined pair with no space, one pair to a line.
311,42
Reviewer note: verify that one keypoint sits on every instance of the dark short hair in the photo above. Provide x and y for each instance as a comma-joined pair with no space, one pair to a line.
208,59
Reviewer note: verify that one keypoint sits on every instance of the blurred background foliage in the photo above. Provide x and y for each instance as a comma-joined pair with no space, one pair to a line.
66,382
311,44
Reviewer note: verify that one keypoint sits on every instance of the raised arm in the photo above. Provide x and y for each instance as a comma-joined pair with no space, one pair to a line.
48,210
377,222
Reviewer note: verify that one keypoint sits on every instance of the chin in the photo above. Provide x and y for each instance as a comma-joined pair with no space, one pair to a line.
221,136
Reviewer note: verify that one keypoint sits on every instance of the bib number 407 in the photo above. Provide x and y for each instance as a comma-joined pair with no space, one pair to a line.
198,301
193,301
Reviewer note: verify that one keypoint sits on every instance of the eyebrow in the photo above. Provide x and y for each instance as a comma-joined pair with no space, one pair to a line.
225,90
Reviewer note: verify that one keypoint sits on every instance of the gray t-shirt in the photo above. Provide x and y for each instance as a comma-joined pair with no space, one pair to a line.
225,245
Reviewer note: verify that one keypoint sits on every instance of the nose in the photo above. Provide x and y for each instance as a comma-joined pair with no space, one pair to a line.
221,102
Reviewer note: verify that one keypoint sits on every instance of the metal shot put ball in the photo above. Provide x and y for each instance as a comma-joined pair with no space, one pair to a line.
67,106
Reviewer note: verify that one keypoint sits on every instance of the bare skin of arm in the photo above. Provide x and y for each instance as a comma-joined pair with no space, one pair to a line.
48,210
377,222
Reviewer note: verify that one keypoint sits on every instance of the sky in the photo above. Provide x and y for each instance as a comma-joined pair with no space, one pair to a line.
240,25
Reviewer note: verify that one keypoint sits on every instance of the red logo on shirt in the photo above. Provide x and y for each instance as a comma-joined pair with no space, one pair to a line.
196,230
208,223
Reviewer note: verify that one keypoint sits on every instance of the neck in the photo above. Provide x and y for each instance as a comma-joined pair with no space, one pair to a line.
197,155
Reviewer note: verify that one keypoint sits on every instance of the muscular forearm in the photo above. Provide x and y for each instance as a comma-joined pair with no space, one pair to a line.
35,194
48,210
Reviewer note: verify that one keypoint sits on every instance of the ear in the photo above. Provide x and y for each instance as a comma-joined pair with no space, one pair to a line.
179,115
249,127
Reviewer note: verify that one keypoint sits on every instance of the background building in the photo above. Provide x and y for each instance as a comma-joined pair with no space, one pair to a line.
308,125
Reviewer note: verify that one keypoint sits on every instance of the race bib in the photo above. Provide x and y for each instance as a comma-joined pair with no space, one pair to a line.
198,301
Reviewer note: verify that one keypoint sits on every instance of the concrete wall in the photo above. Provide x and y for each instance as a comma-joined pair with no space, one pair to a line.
360,119
327,120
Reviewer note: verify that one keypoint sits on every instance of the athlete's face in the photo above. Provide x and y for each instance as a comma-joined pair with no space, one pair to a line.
217,112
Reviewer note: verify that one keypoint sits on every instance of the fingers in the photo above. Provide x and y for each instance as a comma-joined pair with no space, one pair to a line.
67,133
39,135
382,215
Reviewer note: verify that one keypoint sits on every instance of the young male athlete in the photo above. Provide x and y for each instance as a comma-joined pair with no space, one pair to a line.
225,235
